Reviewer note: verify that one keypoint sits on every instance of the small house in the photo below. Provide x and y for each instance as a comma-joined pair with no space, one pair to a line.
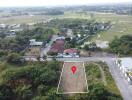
70,53
57,46
33,42
60,38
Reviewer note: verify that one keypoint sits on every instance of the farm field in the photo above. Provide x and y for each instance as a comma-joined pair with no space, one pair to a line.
24,19
121,24
72,83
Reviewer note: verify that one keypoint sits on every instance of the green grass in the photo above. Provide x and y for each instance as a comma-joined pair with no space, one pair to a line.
94,76
111,86
121,25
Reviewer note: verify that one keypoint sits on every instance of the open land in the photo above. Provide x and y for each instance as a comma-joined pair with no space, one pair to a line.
73,83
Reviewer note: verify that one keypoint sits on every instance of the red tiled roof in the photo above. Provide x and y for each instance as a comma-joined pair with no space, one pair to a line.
70,50
58,46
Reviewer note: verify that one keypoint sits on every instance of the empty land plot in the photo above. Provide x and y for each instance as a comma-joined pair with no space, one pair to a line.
72,83
33,51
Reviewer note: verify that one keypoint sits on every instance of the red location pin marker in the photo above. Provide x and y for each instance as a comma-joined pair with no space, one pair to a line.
73,69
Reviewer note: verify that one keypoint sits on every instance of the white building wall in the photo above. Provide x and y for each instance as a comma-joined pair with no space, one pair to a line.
124,71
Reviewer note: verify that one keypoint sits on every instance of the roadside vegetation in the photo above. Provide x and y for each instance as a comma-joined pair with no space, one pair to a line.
111,86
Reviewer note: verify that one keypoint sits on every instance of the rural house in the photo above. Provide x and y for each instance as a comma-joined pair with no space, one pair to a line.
69,53
33,42
57,47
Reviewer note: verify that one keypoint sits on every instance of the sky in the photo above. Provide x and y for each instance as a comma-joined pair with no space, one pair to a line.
13,3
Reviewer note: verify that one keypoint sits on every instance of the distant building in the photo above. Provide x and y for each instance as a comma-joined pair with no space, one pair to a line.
58,46
125,65
60,38
69,53
2,26
33,42
79,35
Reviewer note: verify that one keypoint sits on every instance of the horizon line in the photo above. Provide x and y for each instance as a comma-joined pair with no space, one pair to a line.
51,6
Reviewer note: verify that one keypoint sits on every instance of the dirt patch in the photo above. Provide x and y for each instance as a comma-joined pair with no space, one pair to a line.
73,83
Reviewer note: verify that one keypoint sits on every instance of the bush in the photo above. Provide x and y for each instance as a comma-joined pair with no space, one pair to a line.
24,92
52,53
2,53
14,58
6,93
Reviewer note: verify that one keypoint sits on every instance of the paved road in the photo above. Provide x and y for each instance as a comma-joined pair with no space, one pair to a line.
122,84
48,46
124,87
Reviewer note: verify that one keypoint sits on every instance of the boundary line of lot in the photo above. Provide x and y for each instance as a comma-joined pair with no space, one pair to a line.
61,78
85,77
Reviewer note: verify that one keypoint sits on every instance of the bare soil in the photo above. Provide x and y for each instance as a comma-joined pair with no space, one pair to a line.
76,82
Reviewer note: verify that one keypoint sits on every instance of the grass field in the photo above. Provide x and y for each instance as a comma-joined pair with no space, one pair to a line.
73,83
121,25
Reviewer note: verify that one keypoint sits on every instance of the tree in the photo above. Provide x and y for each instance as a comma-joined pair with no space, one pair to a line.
122,45
14,58
86,47
2,53
53,96
40,98
92,46
67,39
98,92
24,92
42,89
52,53
6,93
